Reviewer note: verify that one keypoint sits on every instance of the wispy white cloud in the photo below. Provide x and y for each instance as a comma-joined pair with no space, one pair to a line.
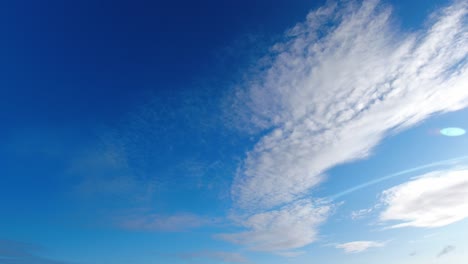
224,256
359,246
446,250
432,200
166,223
358,214
289,227
339,83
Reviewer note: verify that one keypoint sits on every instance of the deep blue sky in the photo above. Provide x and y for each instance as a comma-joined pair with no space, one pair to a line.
106,55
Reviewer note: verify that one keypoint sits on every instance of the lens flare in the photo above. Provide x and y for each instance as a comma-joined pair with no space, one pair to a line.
452,131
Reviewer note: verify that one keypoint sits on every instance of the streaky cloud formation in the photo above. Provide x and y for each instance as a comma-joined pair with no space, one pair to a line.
334,88
359,246
432,200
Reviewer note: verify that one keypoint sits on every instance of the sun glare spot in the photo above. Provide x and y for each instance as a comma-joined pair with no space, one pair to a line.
452,131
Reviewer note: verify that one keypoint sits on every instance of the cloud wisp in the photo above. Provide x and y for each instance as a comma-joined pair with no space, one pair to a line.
12,252
172,223
358,214
280,230
359,246
334,88
446,250
223,256
432,200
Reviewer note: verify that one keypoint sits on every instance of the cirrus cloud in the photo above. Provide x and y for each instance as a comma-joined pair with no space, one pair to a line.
333,89
330,99
289,227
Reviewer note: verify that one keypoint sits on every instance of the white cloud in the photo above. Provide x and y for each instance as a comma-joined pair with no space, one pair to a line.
331,100
359,246
289,227
339,83
432,200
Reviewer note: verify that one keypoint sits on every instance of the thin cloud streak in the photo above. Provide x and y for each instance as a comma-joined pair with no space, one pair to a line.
396,174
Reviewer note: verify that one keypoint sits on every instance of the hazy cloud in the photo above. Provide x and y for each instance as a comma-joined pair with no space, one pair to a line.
172,223
12,252
446,250
105,174
223,256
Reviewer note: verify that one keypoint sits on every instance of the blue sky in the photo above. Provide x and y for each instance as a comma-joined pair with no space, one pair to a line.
242,132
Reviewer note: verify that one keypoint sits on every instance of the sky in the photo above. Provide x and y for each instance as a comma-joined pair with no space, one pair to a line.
151,132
